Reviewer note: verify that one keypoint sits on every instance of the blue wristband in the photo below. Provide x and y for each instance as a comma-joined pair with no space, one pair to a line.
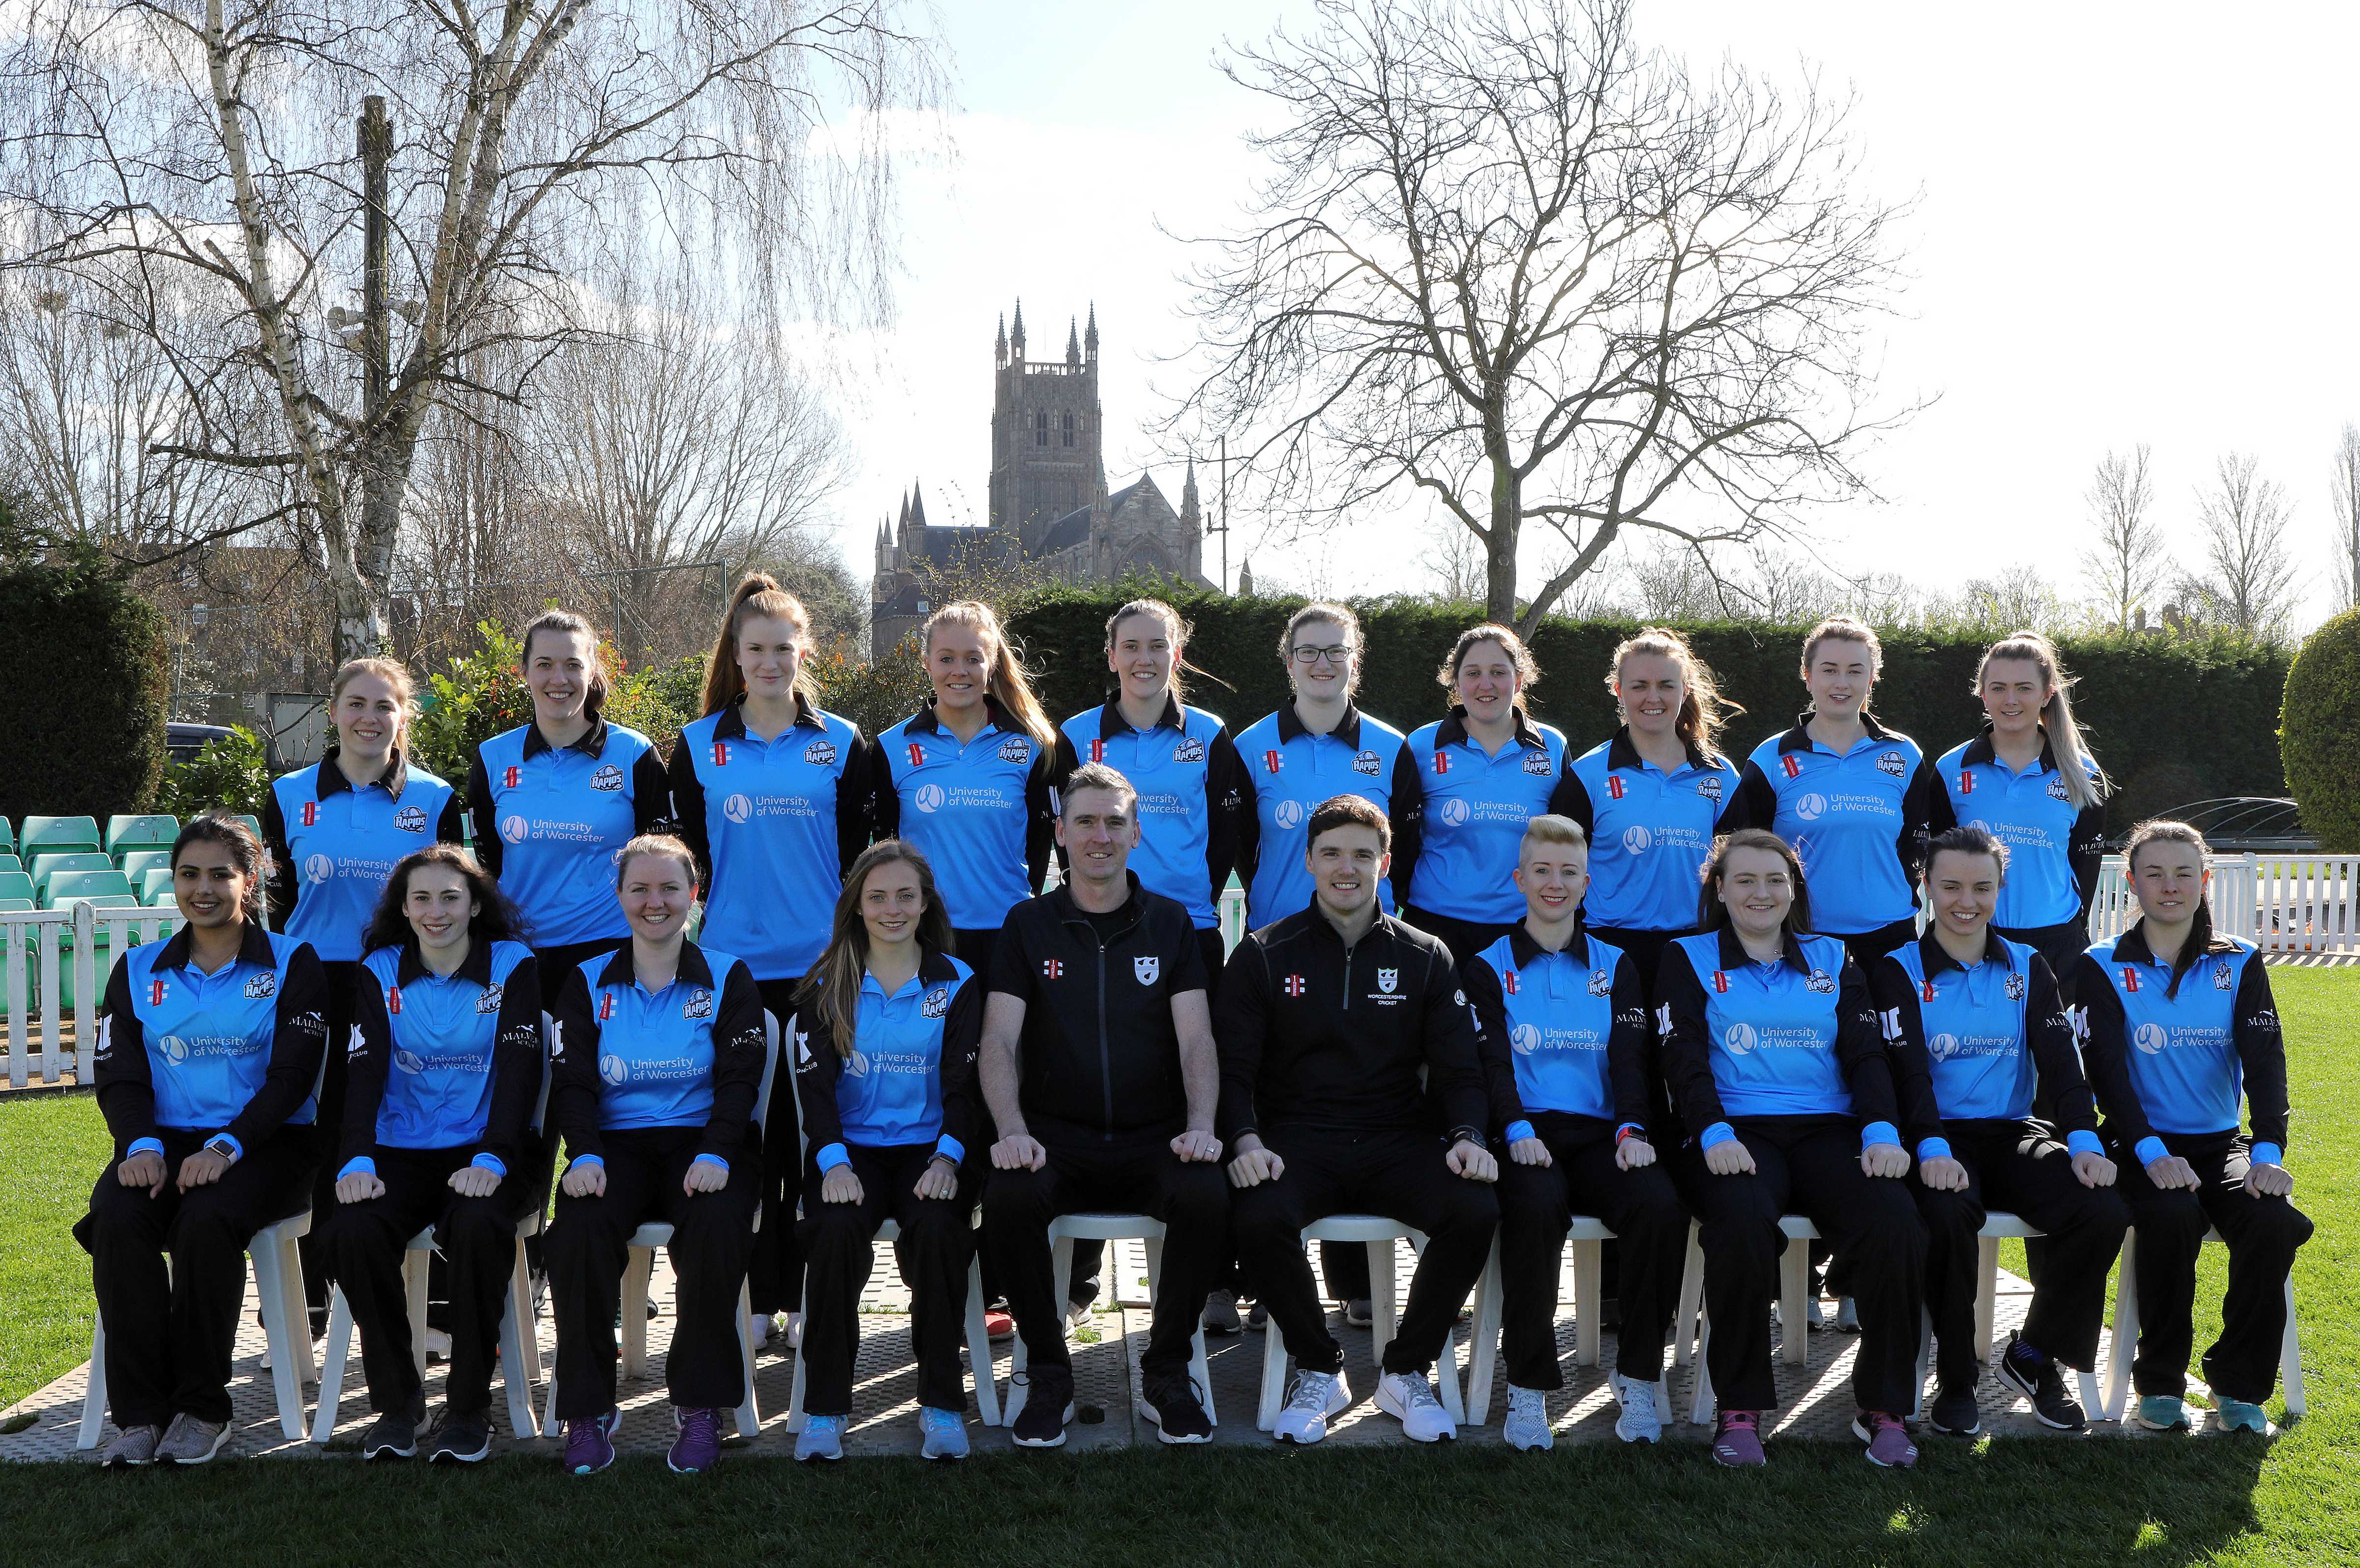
832,1155
1629,1130
359,1162
2150,1149
490,1161
1878,1132
143,1145
950,1148
712,1160
1933,1148
585,1159
1519,1130
2083,1141
2268,1154
1719,1133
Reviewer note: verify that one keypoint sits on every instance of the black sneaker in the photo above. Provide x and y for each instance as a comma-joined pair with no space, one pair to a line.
460,1440
1177,1409
2037,1377
1048,1406
394,1435
1955,1413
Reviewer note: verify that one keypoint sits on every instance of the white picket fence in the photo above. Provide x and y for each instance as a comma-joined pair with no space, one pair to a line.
2287,904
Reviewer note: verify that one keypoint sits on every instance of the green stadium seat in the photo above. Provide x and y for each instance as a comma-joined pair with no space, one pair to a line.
154,881
8,940
7,836
102,950
17,884
46,866
8,860
69,887
253,824
135,863
58,835
124,833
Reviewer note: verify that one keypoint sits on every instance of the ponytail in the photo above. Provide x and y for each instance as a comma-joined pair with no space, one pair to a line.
1008,684
1703,710
2200,927
2085,783
758,595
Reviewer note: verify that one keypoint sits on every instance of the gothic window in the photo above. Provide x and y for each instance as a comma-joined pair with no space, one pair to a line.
1041,427
1069,430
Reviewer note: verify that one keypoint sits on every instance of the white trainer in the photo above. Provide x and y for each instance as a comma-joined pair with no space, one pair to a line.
1642,1420
1317,1396
1527,1426
1410,1396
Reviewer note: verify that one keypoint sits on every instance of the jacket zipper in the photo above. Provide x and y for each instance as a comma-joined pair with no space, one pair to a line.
1106,1063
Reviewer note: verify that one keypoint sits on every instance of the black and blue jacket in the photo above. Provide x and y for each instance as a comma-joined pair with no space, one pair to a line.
1649,831
443,1061
1192,797
1292,772
910,1076
334,846
1858,821
1459,816
2054,848
623,1058
549,824
981,812
1565,1036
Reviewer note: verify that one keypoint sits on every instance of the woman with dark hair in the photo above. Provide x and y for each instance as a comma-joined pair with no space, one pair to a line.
1772,1051
445,1066
2179,1025
555,799
885,1052
209,1045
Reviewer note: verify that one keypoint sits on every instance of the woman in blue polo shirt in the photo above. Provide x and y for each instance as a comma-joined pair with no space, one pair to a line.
968,778
1772,1047
445,1066
1975,1028
208,1044
1464,789
2179,1025
653,1074
555,801
2029,781
885,1046
1854,797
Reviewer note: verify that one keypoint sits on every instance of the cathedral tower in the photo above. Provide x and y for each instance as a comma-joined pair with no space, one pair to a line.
1046,460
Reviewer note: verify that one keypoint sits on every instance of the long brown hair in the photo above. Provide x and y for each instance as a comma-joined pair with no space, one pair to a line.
2200,928
1703,710
495,920
1008,684
1528,669
2078,770
218,827
831,989
1712,915
593,700
758,595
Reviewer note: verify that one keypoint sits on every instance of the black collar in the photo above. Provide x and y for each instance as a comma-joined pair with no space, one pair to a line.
1453,731
1734,957
1621,753
1069,910
592,744
1384,925
1980,750
1111,722
254,947
692,967
1798,738
2131,946
328,778
476,966
926,721
1527,952
1935,958
731,725
1348,728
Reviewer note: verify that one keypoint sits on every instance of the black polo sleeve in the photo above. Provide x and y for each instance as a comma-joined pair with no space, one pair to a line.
368,1051
2261,1050
483,813
1454,1078
1011,958
962,1044
818,1066
1630,1042
1229,797
515,1067
1184,960
1759,798
856,802
1737,809
740,1048
125,1080
650,793
280,887
688,811
1902,1023
2049,1036
1249,851
573,1067
2085,852
1040,814
1241,1023
451,827
1481,982
1571,798
1407,814
884,796
1920,800
299,1034
2098,1018
1687,1052
1860,1051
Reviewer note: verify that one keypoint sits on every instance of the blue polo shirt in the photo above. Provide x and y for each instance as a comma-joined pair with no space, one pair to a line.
888,1091
561,818
443,1031
1974,1028
1857,821
655,1049
208,1037
2183,1057
979,810
1649,831
1474,810
1558,1014
1771,1027
1292,772
2031,814
335,847
1184,770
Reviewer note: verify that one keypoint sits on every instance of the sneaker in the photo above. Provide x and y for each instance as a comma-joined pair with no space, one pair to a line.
1048,1406
132,1445
1527,1426
590,1444
2236,1415
394,1435
998,1324
1220,1315
1887,1439
1175,1407
1410,1396
1847,1316
189,1441
1640,1420
1259,1318
823,1438
2163,1413
1737,1439
943,1434
1315,1397
1359,1314
2037,1378
1955,1413
697,1448
438,1344
460,1440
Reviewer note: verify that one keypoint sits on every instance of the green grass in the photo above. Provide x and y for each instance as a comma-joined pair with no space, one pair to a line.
2148,1502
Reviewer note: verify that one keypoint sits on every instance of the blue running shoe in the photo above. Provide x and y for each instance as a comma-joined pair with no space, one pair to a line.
821,1437
945,1433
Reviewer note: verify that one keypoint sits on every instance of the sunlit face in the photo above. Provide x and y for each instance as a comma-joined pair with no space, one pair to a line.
958,662
367,716
891,899
770,655
438,906
2014,692
1487,683
1142,656
2169,879
1347,862
655,895
1099,831
1651,689
1757,889
1320,661
557,671
1841,675
1963,890
208,886
1553,878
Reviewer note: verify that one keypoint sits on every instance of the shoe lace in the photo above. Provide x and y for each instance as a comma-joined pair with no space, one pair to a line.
1420,1393
929,1418
702,1423
1311,1391
1746,1419
1526,1402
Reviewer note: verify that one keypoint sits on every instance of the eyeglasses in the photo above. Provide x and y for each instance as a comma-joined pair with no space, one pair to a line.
1340,655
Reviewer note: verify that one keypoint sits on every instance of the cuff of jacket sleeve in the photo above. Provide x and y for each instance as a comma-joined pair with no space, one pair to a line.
711,1159
2150,1149
831,1155
1719,1133
950,1148
1518,1131
1629,1130
2268,1154
490,1161
585,1159
1878,1132
2083,1141
359,1162
1933,1148
143,1145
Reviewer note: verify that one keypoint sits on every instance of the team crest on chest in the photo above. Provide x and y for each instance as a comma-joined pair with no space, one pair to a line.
1537,763
2057,791
1273,760
1367,765
937,1002
1293,985
1388,980
411,819
1602,983
2222,979
1709,786
489,1000
2015,988
1508,982
1147,967
820,753
608,778
1190,750
310,814
698,1005
267,984
1016,749
1821,981
1892,764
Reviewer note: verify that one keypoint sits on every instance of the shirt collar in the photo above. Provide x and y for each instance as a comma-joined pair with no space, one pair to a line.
2132,949
731,725
592,744
1348,728
1935,958
933,969
1111,722
1528,952
1068,910
926,721
1980,751
691,967
1621,753
1453,730
1734,957
476,966
328,778
1798,738
254,948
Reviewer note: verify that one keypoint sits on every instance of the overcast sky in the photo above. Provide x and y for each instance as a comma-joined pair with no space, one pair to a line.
2134,222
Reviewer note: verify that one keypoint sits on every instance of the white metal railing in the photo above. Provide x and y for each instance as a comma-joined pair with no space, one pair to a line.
2284,903
45,948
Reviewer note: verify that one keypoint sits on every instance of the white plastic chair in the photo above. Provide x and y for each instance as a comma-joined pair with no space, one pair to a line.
1588,1236
979,1347
1997,1225
2126,1329
1794,1295
1379,1235
1063,1232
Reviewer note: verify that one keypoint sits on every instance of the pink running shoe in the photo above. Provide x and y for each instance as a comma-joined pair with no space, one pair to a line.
1737,1439
1887,1439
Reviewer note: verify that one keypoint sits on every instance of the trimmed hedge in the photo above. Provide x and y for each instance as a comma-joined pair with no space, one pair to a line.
2320,731
2173,720
84,704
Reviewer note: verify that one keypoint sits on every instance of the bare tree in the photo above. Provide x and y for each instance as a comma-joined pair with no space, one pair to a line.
207,154
2344,491
2250,583
1454,562
2127,565
1505,257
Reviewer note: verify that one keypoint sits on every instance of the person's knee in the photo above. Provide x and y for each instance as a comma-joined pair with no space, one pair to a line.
1655,1213
356,1235
2173,1220
2278,1225
1950,1217
840,1227
1264,1222
1197,1195
1018,1198
479,1226
1468,1206
2101,1218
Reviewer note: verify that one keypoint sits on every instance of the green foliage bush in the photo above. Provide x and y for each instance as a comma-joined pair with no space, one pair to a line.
2319,732
874,697
232,772
84,704
482,694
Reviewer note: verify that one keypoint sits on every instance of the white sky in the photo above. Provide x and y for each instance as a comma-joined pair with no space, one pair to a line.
2135,223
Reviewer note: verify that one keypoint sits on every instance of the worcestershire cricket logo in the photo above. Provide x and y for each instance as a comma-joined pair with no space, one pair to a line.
1892,764
261,985
608,778
1388,980
1147,968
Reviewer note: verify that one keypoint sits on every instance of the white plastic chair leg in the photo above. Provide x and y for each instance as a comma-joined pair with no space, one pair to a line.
93,1400
1274,1377
335,1357
417,1264
749,1418
1382,1305
1701,1399
2125,1341
638,1271
978,1348
1925,1354
270,1269
299,1308
1589,1298
1986,1296
1482,1356
519,1349
1795,1302
1691,1299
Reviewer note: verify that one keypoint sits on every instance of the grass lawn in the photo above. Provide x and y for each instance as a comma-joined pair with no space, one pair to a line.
2149,1501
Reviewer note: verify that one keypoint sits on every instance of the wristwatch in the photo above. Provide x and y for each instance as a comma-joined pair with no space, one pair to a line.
222,1146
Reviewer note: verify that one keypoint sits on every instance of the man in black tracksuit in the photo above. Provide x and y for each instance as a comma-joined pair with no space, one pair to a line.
1328,1018
1098,1068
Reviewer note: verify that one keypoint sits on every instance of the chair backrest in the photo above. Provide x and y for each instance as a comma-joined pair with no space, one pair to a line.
67,887
46,866
15,906
17,884
60,833
8,860
7,834
154,881
252,823
135,863
127,832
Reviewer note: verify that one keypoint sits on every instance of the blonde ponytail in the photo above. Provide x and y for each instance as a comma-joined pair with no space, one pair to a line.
2085,783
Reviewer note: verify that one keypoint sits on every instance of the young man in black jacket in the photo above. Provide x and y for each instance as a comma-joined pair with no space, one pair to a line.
1327,1018
1099,1068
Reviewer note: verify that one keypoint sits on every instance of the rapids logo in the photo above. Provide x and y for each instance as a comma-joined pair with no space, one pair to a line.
411,819
1289,813
2015,988
1146,967
1635,839
1366,765
1526,1038
2223,980
1821,981
1892,764
318,867
820,753
1709,786
1943,1047
1538,765
2057,791
1016,749
698,1005
261,985
515,829
1452,812
738,809
609,779
1602,983
2151,1038
1737,1038
1811,807
614,1069
937,1002
1190,750
488,999
929,798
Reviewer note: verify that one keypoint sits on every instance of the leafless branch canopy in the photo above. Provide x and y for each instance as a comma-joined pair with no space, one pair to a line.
2127,565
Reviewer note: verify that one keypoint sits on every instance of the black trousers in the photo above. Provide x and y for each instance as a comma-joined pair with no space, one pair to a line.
839,1249
1867,947
2063,945
169,1336
1465,939
476,1236
1399,1174
2021,1167
1129,1173
589,1247
1536,1204
1809,1165
774,1279
2263,1234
